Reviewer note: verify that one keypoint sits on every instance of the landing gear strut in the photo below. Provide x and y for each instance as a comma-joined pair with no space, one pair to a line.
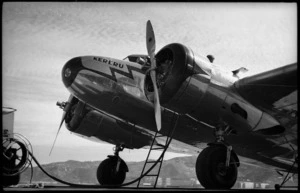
112,171
286,178
216,165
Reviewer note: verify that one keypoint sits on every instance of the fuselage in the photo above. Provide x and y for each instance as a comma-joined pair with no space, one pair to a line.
117,87
205,96
121,96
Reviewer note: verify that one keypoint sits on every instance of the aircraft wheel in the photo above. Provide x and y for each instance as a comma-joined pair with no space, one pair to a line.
211,168
10,180
107,175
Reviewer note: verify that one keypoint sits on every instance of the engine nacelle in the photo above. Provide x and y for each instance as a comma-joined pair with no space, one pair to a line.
86,121
182,78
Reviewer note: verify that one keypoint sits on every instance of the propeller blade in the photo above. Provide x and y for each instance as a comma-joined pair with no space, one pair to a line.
156,101
62,121
150,42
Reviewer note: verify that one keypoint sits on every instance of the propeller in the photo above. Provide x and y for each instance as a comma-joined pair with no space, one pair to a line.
65,106
150,42
62,121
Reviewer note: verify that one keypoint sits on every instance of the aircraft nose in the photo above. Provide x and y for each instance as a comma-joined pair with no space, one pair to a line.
70,70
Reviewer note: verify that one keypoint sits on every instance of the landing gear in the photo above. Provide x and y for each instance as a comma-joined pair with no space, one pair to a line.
286,178
211,168
216,166
112,171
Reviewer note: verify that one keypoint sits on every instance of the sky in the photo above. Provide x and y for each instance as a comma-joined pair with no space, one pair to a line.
38,38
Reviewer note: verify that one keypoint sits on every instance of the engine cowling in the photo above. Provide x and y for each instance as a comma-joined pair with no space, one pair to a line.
86,121
182,78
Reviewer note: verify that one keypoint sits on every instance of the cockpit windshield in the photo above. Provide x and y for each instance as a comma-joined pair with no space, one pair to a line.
140,59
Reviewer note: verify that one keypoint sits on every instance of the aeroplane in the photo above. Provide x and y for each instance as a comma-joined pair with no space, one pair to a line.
125,102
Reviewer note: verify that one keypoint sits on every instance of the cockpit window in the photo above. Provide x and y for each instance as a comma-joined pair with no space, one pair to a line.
140,59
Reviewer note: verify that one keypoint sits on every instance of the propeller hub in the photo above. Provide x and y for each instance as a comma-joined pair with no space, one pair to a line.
61,104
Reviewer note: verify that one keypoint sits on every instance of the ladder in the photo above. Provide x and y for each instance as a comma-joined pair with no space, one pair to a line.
160,147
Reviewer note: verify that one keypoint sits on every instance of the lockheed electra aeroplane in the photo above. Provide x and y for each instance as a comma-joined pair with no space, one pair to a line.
231,119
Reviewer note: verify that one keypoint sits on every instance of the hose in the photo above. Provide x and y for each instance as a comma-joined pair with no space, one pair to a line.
106,186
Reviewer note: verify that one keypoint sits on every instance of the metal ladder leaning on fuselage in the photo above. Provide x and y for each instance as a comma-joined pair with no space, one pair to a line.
175,118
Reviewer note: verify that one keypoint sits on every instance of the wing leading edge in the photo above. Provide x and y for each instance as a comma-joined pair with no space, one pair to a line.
266,88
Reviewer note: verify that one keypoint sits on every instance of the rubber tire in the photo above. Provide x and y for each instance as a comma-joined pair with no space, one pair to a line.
207,168
106,174
10,180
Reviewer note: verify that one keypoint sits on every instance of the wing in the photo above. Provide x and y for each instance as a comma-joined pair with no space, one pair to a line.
275,92
265,89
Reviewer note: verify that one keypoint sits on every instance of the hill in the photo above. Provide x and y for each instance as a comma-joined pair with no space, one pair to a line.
174,172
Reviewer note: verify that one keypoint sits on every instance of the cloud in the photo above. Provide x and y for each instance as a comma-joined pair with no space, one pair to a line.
38,38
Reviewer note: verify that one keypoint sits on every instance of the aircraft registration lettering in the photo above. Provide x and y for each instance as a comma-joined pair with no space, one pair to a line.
114,67
106,61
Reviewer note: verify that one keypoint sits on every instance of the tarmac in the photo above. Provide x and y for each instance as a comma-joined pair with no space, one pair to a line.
133,189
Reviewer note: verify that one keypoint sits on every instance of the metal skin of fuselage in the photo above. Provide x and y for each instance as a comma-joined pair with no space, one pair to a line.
204,99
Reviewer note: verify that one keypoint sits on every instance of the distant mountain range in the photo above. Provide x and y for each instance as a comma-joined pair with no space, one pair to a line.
174,172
